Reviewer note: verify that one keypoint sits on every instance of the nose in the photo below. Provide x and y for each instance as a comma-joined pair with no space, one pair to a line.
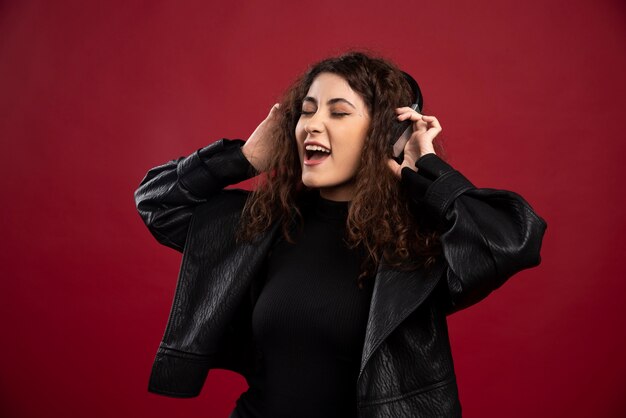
314,124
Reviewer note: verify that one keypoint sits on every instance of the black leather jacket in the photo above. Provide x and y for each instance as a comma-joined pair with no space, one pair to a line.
406,368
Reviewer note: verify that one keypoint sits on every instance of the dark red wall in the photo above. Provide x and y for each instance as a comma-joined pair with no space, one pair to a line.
531,96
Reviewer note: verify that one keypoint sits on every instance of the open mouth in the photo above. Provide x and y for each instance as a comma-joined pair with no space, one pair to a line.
315,154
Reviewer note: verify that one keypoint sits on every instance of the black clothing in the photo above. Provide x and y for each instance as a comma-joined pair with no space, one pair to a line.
406,368
309,323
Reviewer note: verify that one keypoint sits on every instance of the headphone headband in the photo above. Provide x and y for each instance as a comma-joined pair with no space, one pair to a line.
417,93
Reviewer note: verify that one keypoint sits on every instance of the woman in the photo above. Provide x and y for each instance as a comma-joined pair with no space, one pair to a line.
328,286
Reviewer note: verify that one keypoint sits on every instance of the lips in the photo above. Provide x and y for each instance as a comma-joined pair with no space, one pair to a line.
315,153
314,158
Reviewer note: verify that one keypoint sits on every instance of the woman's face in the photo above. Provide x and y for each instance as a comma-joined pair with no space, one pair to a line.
330,135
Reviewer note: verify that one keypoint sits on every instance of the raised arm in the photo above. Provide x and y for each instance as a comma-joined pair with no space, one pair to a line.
487,236
169,193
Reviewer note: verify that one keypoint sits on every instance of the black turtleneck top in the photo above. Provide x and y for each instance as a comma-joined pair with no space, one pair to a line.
309,323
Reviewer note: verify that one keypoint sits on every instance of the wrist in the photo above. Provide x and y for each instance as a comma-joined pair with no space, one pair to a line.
426,151
247,152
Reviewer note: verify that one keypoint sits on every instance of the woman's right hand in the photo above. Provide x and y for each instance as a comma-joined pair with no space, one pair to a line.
258,146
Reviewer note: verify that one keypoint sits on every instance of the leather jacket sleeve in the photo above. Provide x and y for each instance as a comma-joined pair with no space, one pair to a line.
487,235
169,193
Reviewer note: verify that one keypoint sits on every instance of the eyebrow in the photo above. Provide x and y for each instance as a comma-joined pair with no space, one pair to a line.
330,102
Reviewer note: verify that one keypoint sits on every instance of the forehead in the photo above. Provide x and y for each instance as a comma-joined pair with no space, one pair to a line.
328,86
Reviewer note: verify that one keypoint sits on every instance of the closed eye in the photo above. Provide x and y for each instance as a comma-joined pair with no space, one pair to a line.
336,114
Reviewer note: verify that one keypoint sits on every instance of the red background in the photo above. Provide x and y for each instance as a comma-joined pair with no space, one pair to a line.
531,96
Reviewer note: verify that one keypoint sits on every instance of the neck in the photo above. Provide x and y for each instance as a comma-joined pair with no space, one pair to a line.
341,193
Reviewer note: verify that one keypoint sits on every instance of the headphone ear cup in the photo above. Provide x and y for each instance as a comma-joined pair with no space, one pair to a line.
401,131
398,130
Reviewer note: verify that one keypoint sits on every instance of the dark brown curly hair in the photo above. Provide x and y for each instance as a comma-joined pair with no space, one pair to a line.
382,220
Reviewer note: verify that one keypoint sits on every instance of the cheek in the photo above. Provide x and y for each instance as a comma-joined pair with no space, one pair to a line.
299,129
299,138
348,159
354,160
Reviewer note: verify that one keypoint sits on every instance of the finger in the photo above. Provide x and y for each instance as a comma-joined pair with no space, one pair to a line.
412,115
431,118
434,122
402,110
420,125
274,108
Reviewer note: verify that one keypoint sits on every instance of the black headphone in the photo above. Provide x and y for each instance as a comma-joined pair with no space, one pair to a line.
417,93
403,130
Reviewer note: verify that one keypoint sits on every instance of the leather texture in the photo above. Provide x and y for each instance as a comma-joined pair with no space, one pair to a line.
407,369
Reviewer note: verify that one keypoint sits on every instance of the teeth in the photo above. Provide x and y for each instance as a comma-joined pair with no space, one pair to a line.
316,148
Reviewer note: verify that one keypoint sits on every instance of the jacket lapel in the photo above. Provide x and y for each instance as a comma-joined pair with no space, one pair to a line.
395,295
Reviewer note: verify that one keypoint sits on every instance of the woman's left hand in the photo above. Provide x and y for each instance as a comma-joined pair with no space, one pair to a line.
425,129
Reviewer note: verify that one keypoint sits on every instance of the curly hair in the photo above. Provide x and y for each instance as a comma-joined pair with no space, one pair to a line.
382,220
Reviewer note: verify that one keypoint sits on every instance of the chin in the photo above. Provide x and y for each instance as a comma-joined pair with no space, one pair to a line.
312,182
315,181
